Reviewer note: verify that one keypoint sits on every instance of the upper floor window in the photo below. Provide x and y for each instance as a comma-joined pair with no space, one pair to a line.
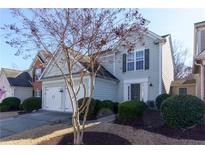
38,72
130,62
135,61
182,91
139,60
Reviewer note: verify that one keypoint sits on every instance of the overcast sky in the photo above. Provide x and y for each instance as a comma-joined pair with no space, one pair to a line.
177,22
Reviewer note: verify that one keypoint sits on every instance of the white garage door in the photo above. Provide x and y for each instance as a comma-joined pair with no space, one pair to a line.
57,98
68,106
53,99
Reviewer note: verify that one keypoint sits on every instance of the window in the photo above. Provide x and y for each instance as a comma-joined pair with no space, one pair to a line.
38,73
139,60
182,91
38,93
135,61
130,61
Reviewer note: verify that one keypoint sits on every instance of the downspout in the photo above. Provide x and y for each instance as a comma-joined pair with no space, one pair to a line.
160,68
202,79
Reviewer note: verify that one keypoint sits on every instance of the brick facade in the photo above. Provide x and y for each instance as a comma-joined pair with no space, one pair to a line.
37,85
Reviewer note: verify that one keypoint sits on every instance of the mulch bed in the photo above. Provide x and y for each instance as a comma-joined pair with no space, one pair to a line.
90,138
152,122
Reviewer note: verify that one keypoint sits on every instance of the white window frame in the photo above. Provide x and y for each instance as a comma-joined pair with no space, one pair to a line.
37,92
140,60
131,61
136,60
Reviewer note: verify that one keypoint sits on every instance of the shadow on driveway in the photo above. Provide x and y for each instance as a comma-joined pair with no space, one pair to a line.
20,123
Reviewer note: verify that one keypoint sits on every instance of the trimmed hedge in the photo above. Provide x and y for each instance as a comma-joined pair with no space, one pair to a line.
91,111
10,104
97,105
31,103
182,111
130,110
160,99
102,105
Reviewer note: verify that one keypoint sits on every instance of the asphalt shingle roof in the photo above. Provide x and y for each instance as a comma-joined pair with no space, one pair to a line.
22,80
18,78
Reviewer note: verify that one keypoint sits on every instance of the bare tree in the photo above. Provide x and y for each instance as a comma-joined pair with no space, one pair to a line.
79,35
181,70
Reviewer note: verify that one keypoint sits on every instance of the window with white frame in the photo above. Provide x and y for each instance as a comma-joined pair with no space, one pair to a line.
38,93
135,61
130,61
38,72
139,60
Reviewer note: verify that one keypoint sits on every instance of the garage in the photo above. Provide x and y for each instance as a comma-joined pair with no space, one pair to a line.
56,98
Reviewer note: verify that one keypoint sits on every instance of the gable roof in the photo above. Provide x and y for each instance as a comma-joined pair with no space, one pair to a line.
43,56
102,72
183,82
11,72
22,80
17,77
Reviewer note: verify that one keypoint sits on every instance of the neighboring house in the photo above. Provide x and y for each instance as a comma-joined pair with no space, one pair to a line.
15,83
142,74
38,65
183,87
199,58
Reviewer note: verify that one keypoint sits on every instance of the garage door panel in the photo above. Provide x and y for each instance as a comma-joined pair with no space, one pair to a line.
53,98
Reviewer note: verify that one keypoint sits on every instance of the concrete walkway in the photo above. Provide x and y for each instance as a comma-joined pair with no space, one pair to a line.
29,121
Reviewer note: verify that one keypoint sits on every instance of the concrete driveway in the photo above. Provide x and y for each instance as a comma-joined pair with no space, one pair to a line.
25,122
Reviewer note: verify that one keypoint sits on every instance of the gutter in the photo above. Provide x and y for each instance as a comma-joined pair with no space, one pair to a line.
202,79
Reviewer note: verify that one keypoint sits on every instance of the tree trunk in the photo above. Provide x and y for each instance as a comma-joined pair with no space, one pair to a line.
76,129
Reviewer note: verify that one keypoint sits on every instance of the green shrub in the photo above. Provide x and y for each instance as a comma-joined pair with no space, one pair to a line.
103,104
130,110
104,112
31,103
182,111
160,99
91,112
10,104
4,108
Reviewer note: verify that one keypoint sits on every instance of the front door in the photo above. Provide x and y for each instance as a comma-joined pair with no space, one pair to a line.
135,91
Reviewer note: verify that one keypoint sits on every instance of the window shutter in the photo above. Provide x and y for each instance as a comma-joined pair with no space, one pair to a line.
146,59
124,62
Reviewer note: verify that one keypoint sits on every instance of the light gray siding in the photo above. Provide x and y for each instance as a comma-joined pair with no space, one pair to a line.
152,74
53,70
23,92
105,89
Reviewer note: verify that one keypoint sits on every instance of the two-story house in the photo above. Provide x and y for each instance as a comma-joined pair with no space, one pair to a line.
142,74
199,58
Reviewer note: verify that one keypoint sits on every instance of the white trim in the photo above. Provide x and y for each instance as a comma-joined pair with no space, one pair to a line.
201,79
144,89
60,80
160,68
138,50
114,64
